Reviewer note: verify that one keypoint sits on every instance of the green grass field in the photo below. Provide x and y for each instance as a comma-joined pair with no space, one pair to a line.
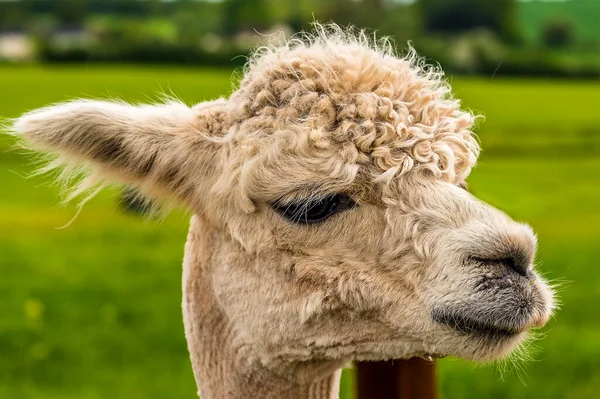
93,310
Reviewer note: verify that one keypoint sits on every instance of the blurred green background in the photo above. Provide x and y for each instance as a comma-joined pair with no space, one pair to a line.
93,310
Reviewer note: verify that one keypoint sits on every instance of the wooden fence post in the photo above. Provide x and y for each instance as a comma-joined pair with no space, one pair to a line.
396,379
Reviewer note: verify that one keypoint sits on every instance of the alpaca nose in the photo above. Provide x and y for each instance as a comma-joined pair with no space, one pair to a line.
513,248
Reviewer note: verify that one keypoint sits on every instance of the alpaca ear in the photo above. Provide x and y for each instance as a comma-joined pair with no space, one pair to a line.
162,149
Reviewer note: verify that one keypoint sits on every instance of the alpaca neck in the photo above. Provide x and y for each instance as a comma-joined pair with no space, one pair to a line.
223,369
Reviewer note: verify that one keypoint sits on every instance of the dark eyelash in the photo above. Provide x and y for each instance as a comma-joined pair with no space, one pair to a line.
313,210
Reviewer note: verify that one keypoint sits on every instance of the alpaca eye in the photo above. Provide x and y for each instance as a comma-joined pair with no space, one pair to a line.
313,211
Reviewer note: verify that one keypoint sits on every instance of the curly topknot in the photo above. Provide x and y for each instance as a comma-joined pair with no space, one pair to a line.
397,112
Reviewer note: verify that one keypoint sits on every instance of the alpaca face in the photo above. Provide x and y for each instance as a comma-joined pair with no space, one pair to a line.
330,183
363,270
347,166
424,269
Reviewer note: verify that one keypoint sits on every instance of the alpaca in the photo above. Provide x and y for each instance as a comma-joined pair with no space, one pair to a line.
331,221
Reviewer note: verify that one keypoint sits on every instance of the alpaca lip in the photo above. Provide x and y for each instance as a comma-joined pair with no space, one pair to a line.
467,325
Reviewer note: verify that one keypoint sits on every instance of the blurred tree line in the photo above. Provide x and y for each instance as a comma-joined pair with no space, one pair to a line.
465,36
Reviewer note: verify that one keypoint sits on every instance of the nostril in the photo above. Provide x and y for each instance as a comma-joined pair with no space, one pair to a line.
516,265
512,262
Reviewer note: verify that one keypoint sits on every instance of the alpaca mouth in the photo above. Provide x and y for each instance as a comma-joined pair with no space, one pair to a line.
472,326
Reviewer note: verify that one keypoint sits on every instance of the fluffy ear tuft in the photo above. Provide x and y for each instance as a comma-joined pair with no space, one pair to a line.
161,149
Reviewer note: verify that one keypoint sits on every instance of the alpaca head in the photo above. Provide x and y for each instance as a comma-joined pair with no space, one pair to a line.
332,185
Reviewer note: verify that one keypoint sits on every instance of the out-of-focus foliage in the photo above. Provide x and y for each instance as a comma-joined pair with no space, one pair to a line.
558,33
501,37
583,15
451,16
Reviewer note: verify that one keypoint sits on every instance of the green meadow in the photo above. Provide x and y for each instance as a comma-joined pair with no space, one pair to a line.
92,309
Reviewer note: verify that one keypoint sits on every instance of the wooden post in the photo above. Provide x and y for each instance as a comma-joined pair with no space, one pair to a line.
396,379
